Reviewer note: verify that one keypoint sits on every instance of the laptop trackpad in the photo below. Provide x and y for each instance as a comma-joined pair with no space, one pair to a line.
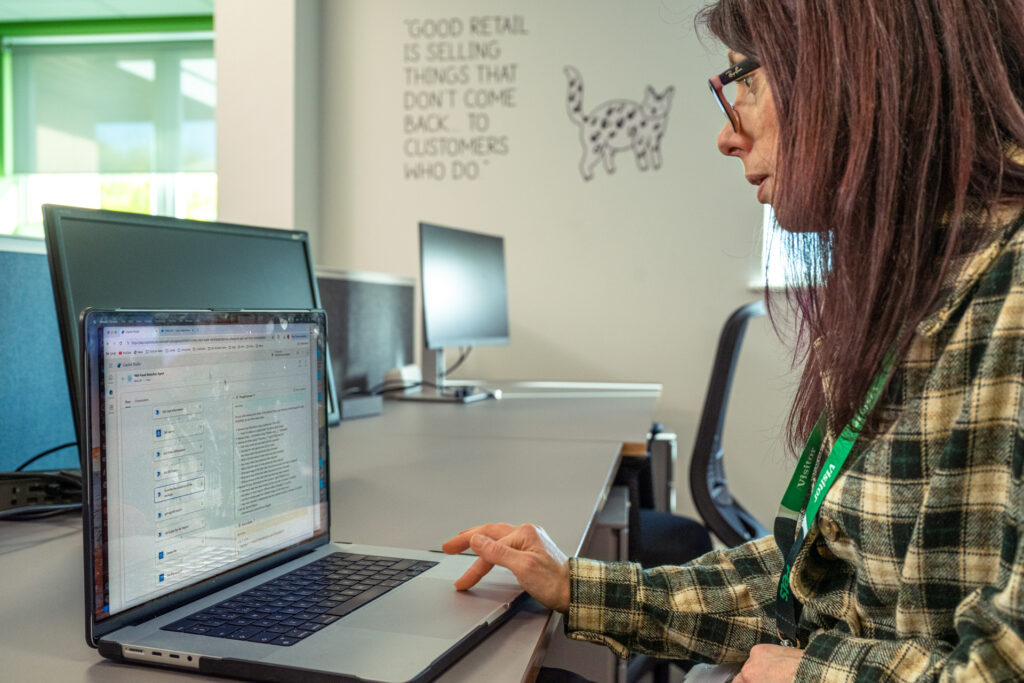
431,607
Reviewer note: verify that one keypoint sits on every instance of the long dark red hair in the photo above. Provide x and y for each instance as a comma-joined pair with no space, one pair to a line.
899,121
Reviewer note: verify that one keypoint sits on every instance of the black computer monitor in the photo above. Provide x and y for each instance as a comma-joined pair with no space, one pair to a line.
111,259
465,294
35,409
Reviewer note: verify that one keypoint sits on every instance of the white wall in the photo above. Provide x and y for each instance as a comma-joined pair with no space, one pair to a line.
268,113
625,277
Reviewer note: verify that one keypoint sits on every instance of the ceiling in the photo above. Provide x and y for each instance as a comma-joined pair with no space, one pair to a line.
49,10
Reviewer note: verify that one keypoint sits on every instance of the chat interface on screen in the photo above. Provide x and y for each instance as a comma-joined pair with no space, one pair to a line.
211,454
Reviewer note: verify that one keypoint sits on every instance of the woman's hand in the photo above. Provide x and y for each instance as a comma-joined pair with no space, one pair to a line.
770,663
527,551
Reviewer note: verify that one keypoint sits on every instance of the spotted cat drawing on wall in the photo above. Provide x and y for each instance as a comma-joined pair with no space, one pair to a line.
618,125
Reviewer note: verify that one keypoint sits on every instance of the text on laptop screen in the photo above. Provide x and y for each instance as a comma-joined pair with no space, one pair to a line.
211,450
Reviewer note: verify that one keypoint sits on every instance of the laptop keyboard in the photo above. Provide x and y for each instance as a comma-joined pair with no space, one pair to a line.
296,605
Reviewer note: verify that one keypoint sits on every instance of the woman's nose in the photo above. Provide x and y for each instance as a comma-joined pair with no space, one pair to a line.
733,143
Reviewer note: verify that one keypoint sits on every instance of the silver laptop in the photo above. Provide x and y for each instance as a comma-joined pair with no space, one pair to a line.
207,513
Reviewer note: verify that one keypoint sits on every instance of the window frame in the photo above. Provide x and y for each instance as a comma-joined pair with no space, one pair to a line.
100,29
73,27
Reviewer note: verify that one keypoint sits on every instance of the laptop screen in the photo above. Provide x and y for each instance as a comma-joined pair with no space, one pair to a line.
207,441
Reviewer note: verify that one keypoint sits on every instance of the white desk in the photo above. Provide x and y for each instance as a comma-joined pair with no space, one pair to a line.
411,478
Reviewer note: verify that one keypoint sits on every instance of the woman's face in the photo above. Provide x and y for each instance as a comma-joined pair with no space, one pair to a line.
756,141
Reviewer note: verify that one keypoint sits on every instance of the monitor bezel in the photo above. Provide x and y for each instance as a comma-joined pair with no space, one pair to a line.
68,321
433,344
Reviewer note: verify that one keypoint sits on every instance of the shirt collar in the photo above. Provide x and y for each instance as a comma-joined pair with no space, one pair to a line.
966,272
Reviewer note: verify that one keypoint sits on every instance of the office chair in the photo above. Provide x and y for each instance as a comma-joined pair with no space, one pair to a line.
663,538
722,513
656,536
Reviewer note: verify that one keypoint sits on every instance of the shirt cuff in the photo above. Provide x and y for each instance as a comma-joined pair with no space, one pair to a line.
603,602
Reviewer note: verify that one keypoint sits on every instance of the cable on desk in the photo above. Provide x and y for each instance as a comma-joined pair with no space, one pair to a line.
463,355
31,460
388,388
37,512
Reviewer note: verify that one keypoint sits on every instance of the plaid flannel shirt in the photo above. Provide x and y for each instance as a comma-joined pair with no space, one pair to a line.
914,569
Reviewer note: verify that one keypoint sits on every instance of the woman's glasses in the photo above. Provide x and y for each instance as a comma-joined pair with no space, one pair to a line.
724,88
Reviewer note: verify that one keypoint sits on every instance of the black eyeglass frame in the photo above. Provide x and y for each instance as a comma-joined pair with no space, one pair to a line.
733,73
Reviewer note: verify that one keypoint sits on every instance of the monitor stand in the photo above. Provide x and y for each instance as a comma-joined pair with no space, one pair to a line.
433,374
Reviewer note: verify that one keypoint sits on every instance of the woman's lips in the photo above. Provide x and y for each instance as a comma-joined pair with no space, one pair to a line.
758,180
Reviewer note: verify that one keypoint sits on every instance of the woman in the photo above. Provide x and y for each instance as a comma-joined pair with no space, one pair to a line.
893,132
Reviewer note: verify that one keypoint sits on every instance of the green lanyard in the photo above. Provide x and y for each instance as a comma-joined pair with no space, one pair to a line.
800,491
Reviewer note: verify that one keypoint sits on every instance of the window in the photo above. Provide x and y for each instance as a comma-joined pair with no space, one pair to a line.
120,118
773,256
788,259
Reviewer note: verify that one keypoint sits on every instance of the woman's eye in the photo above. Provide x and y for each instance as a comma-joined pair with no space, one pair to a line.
747,82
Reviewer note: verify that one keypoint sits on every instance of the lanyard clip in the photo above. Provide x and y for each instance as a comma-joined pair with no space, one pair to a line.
784,641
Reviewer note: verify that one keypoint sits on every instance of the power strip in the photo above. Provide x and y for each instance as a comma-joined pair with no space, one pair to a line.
40,487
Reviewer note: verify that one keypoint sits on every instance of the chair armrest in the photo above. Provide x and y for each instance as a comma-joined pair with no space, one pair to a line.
633,449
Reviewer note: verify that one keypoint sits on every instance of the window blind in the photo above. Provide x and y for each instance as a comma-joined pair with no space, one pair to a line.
135,104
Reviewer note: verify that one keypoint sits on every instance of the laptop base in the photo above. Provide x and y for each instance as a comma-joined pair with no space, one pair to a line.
402,646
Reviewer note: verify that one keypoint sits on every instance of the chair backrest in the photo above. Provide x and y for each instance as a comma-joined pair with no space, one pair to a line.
721,512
